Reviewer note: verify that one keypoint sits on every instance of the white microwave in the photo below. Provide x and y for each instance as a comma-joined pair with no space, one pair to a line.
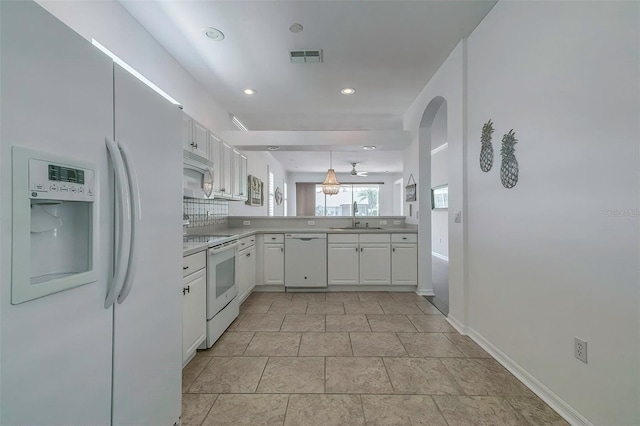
197,176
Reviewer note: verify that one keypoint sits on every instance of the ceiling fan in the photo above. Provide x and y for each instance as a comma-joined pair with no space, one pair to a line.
354,172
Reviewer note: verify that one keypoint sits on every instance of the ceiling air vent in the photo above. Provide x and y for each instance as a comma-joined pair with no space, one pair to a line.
305,56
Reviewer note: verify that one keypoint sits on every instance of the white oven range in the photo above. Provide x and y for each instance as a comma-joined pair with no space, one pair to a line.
222,294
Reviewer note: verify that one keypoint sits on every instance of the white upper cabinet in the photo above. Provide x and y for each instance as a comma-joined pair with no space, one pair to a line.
226,182
215,155
194,136
239,178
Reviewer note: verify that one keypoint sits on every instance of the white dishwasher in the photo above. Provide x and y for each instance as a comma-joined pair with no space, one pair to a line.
305,260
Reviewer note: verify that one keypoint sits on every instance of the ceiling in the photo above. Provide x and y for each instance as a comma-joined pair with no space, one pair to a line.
386,50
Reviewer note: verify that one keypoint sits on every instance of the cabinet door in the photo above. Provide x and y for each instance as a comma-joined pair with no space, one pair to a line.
227,153
273,264
375,263
342,264
404,264
246,272
242,176
236,182
215,155
200,139
194,312
187,127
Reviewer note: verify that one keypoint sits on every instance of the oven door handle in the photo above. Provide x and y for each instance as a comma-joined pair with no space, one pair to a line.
213,251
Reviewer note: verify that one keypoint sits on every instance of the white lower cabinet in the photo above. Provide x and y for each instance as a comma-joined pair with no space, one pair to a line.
404,264
273,264
194,304
375,263
359,259
343,264
246,267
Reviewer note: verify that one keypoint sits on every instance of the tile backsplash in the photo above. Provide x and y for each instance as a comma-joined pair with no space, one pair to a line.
205,212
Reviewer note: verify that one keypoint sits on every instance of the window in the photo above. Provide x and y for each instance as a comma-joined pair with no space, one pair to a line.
271,195
284,198
366,197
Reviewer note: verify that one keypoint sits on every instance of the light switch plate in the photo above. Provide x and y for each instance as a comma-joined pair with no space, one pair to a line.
311,222
246,222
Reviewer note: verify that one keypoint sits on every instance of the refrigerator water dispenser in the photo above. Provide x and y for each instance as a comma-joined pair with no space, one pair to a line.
53,224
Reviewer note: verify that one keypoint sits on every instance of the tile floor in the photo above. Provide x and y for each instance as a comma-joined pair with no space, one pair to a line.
374,358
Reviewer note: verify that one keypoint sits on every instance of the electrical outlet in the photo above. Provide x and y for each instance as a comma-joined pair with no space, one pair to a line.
383,222
580,349
311,222
246,222
397,222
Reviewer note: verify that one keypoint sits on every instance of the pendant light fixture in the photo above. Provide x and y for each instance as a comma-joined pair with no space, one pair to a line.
331,186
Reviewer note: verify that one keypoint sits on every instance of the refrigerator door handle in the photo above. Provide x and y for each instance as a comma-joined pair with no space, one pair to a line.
136,216
123,224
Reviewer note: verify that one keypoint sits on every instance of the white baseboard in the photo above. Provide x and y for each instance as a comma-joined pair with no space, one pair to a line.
462,329
440,256
428,292
553,400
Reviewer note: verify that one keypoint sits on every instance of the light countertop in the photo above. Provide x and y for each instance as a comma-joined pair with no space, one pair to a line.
195,247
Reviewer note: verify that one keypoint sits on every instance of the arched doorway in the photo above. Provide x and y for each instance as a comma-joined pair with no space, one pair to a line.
433,271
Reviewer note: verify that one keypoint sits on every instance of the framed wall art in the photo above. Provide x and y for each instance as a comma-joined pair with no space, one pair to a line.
255,191
411,192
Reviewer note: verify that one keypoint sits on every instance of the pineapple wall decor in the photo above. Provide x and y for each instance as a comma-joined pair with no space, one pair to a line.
509,167
486,153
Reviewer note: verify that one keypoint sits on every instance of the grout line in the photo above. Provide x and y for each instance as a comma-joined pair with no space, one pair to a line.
395,391
286,410
324,382
438,408
208,411
403,346
350,344
261,374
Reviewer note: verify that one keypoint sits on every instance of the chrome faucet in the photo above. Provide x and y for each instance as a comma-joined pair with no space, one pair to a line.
355,210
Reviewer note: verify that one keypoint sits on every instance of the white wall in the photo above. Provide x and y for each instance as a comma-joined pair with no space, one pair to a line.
447,83
386,190
258,163
547,262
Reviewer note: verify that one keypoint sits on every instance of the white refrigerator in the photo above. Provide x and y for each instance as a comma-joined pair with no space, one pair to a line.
70,356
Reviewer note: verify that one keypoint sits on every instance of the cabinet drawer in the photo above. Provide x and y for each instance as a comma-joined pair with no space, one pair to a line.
375,238
342,238
193,263
404,238
273,238
246,242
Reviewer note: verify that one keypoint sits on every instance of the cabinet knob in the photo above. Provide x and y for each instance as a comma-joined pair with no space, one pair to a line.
281,249
248,254
393,249
184,268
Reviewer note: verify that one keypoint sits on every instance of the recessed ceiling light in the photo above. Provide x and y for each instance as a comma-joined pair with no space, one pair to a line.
250,91
212,33
296,28
369,147
273,148
348,91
